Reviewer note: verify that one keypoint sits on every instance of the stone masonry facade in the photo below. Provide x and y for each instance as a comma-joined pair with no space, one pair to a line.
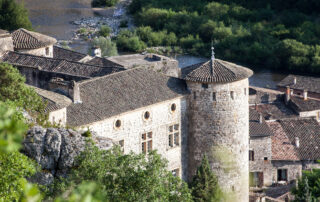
134,124
219,128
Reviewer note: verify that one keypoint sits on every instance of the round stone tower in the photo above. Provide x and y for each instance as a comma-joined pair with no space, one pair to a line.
219,123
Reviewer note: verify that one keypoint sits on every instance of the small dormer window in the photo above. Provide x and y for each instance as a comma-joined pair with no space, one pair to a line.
205,85
47,51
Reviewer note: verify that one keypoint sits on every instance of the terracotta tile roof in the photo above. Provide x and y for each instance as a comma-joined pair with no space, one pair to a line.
62,53
102,62
54,101
311,84
217,72
57,65
301,105
24,39
285,133
282,147
257,129
121,92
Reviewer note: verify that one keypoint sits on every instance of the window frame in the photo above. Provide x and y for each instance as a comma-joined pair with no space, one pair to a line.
146,141
174,134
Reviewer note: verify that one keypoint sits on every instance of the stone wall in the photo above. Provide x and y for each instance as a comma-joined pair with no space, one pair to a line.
58,117
219,128
133,125
6,43
45,51
261,146
294,169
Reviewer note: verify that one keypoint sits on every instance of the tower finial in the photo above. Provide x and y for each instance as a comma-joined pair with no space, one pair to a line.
212,54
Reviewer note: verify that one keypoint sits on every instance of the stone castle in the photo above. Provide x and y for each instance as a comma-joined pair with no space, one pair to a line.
184,115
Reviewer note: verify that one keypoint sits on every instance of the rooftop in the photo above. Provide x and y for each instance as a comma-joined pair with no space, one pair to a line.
55,101
102,62
218,71
57,65
275,111
24,39
62,53
302,105
256,128
124,91
285,134
311,84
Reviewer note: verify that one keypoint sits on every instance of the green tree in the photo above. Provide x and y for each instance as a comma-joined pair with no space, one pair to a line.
14,166
308,189
131,177
13,16
205,184
104,3
13,90
108,48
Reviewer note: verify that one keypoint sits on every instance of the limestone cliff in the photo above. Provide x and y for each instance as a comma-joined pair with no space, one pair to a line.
55,150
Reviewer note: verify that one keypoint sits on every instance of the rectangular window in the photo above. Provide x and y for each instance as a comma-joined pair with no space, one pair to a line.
170,140
174,135
146,142
282,175
47,51
121,143
251,155
214,96
194,95
232,95
205,85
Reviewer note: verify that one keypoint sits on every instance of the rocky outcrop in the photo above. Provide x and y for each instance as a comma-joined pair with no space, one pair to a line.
55,150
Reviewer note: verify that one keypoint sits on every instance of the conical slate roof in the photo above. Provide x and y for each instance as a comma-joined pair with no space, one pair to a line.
218,71
24,39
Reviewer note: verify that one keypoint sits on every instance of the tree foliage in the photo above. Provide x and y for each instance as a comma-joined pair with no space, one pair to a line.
119,177
14,166
205,184
308,189
14,91
13,16
276,34
108,48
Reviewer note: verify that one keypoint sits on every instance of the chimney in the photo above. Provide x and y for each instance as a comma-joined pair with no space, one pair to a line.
294,80
288,94
260,119
256,106
75,92
96,52
291,92
297,142
305,95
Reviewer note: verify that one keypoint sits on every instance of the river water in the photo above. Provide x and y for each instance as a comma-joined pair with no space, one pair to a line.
53,17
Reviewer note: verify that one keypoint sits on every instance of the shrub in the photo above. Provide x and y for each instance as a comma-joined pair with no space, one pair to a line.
87,133
129,41
105,31
123,23
103,3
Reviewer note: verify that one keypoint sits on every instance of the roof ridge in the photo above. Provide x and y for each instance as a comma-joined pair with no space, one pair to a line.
69,50
102,77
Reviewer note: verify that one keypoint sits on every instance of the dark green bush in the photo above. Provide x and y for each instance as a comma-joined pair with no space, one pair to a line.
104,3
